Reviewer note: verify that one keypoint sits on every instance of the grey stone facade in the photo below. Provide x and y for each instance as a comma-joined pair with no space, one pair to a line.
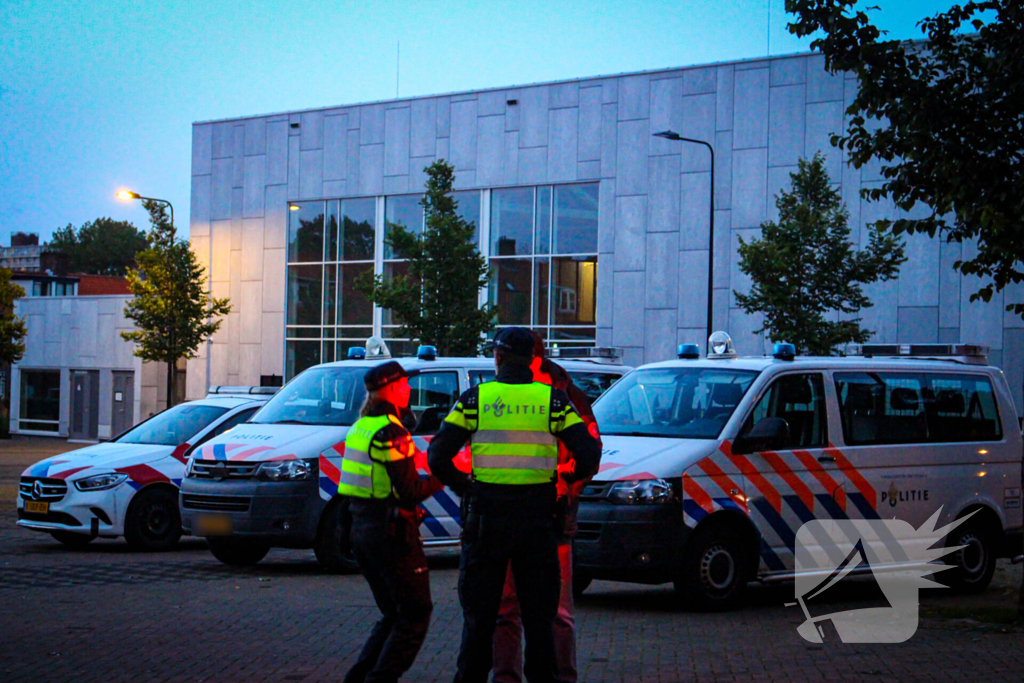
761,116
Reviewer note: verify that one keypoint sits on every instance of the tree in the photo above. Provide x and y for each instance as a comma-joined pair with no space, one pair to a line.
944,118
437,302
805,267
100,247
170,307
12,334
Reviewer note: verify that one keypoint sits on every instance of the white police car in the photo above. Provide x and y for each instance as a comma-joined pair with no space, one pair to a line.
128,486
273,482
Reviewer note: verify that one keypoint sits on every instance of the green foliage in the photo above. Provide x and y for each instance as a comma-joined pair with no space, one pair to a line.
12,328
944,117
171,307
437,302
805,267
102,247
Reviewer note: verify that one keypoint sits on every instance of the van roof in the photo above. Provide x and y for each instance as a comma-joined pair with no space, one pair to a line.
476,363
760,363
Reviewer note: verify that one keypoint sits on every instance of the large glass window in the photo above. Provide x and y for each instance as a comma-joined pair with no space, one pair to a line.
40,400
330,244
542,247
692,403
407,211
544,260
893,408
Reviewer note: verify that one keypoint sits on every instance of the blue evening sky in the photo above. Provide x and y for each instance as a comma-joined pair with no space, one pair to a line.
97,95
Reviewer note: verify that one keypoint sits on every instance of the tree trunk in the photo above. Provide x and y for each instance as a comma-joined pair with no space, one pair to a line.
170,384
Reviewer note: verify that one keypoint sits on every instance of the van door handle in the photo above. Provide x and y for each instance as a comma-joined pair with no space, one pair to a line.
826,458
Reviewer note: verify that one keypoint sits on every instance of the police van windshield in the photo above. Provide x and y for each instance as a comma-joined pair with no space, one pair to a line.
689,403
319,396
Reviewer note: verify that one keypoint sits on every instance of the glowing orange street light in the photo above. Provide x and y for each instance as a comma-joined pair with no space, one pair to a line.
128,195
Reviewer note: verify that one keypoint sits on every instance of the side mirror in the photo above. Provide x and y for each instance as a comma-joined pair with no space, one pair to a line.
769,434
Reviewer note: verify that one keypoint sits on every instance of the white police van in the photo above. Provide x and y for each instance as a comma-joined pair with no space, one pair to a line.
711,466
273,482
128,486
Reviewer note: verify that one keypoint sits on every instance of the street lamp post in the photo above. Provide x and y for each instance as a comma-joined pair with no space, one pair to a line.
128,195
672,135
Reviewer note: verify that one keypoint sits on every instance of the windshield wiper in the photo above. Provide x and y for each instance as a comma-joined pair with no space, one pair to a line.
285,422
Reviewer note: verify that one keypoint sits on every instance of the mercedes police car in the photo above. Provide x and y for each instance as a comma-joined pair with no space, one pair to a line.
128,486
711,466
273,482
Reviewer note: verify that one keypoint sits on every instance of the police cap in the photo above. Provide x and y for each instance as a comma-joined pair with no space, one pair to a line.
516,341
379,376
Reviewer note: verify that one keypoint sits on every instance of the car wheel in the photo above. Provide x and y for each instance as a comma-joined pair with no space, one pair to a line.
153,521
72,540
236,552
333,547
714,572
974,564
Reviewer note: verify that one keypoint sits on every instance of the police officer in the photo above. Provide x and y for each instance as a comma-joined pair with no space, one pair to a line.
378,473
508,633
514,425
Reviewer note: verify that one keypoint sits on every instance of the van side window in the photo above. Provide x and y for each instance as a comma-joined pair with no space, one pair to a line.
480,376
593,384
895,408
433,395
800,401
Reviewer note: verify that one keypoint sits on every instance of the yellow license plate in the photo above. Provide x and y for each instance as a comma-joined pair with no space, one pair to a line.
37,506
213,525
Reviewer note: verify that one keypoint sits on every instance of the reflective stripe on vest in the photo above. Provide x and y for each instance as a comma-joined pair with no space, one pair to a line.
514,443
361,476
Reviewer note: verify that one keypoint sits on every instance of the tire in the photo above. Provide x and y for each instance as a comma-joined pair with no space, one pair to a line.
974,564
714,572
332,547
580,582
153,521
237,552
72,540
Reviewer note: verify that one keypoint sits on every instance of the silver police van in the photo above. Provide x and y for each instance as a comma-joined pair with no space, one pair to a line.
712,465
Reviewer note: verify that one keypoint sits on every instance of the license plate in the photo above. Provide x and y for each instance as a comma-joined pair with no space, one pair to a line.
37,506
213,525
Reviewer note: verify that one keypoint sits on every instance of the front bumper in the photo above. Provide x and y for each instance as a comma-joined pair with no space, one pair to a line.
283,514
635,543
93,513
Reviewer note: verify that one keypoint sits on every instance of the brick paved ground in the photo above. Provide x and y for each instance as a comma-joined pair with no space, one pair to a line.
108,614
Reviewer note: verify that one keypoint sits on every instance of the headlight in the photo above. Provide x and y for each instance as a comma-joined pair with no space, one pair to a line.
101,482
288,470
643,492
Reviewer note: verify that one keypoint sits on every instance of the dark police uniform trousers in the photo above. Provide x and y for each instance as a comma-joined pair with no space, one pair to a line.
494,536
390,555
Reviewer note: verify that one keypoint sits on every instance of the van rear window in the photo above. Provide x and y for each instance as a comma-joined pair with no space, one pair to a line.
898,408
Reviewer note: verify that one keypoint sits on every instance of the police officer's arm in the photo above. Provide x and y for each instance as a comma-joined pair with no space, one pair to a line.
567,426
393,446
456,430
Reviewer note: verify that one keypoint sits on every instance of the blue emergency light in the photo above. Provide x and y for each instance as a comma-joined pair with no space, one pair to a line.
426,352
356,353
688,351
784,351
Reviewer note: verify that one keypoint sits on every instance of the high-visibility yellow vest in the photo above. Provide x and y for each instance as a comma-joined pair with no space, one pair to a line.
363,476
514,437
